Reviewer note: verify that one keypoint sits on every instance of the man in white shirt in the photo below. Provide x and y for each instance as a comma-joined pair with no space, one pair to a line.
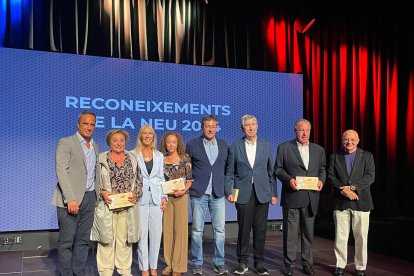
299,157
250,169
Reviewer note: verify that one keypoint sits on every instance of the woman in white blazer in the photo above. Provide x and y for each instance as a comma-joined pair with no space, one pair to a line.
153,202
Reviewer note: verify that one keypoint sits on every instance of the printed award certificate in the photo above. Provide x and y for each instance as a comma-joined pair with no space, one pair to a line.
168,187
120,201
235,194
307,183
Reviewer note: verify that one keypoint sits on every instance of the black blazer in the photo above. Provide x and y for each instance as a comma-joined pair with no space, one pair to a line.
362,176
289,164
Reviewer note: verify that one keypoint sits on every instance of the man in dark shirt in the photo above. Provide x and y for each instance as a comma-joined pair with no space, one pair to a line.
351,173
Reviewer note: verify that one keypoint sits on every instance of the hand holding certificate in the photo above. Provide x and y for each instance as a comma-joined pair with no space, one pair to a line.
120,201
307,183
235,194
171,186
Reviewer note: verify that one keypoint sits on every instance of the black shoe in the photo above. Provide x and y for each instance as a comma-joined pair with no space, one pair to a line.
220,270
308,269
260,270
241,269
339,271
289,270
360,272
197,270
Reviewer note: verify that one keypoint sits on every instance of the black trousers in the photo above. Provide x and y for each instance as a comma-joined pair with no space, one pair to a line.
74,237
252,215
297,220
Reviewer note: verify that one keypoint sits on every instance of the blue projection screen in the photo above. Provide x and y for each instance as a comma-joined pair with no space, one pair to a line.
43,93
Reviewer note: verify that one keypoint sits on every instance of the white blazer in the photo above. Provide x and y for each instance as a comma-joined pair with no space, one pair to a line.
152,182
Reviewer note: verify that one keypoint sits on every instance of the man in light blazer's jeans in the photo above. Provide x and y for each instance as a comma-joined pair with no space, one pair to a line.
75,195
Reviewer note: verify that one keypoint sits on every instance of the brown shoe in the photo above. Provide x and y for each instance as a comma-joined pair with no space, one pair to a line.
176,274
165,272
145,273
153,272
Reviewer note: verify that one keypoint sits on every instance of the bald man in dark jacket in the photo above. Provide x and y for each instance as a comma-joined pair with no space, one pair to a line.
351,173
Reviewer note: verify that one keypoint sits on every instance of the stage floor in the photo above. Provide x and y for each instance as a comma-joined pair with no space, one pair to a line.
41,262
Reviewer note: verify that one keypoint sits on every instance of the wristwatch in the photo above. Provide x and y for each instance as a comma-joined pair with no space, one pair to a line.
352,187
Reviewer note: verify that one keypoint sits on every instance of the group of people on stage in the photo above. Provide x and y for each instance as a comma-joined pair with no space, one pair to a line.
211,170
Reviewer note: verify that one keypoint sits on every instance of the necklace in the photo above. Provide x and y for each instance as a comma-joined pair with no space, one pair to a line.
147,157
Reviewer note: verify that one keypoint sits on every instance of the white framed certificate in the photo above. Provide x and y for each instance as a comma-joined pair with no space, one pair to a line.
120,201
170,186
307,182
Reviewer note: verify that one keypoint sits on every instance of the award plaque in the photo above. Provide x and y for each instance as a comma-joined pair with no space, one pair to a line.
120,201
169,187
307,183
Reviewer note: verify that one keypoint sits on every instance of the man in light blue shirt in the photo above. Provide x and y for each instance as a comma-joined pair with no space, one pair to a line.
208,158
78,174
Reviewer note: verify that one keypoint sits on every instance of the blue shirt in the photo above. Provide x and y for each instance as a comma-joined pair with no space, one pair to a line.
211,149
349,160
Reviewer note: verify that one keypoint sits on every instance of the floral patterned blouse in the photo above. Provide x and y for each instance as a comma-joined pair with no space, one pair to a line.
121,176
182,169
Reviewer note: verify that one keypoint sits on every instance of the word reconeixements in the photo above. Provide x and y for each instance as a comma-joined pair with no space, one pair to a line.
146,106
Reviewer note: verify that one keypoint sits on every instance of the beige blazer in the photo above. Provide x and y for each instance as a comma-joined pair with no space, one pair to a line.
71,171
102,228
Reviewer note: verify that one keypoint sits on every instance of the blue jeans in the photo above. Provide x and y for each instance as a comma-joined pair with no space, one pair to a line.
216,206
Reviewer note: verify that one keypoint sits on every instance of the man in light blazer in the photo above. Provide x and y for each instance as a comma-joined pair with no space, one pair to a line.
208,158
351,173
294,158
250,169
77,170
